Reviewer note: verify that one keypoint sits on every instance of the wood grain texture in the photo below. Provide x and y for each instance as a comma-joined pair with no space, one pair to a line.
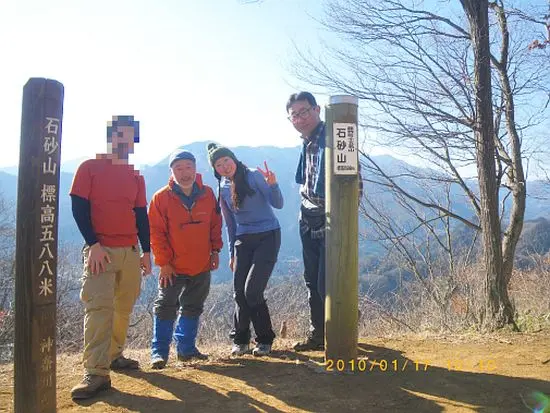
36,246
342,200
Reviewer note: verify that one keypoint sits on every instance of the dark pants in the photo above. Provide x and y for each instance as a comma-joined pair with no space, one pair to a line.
313,252
187,295
255,257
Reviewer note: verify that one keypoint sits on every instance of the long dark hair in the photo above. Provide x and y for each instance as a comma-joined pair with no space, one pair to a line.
239,185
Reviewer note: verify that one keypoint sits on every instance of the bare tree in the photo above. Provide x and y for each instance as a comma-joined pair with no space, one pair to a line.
499,308
545,40
420,242
419,74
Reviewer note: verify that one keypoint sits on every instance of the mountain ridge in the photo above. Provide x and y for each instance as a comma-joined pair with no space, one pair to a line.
283,162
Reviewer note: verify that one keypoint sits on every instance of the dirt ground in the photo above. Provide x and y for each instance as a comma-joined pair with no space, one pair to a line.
406,374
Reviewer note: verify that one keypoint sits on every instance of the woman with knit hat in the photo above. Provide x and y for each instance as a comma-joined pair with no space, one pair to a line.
247,197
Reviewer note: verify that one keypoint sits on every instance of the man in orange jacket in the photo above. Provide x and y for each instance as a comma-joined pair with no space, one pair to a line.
186,238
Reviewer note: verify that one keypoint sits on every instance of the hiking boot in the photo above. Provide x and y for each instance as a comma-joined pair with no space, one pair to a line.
158,363
197,355
123,363
309,344
239,349
261,350
90,386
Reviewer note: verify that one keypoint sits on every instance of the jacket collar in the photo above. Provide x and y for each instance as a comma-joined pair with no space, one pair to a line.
317,136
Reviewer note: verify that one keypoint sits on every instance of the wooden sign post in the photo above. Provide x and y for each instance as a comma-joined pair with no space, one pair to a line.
36,246
342,211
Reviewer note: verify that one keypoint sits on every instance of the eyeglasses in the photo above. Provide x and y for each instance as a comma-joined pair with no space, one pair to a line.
303,114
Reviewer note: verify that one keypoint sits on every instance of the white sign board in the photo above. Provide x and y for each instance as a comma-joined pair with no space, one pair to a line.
346,158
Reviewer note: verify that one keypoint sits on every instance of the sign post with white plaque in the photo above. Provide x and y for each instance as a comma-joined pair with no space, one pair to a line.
36,246
342,226
345,151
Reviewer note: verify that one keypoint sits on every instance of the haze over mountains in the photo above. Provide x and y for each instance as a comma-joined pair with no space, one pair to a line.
283,162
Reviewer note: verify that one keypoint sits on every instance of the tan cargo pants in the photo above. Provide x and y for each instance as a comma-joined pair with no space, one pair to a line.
108,298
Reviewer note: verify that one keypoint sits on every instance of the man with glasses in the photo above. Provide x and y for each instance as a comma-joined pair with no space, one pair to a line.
304,113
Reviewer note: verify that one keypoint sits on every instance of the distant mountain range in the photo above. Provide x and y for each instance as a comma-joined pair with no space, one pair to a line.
283,162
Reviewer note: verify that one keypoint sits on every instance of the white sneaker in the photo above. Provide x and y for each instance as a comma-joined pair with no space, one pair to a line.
261,350
239,349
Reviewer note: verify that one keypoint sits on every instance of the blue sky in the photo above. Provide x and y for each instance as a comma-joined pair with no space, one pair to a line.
188,70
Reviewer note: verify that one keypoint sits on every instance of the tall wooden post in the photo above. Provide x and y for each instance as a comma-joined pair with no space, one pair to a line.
36,246
342,208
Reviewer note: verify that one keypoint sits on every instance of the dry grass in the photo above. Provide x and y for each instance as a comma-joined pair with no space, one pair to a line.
413,308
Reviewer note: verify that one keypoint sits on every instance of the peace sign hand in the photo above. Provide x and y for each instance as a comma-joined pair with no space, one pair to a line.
269,176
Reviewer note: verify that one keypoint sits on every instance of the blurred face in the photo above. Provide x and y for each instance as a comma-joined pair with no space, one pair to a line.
122,142
184,172
225,166
304,117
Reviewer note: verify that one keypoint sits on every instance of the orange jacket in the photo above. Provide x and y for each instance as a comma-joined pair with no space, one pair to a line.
185,237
